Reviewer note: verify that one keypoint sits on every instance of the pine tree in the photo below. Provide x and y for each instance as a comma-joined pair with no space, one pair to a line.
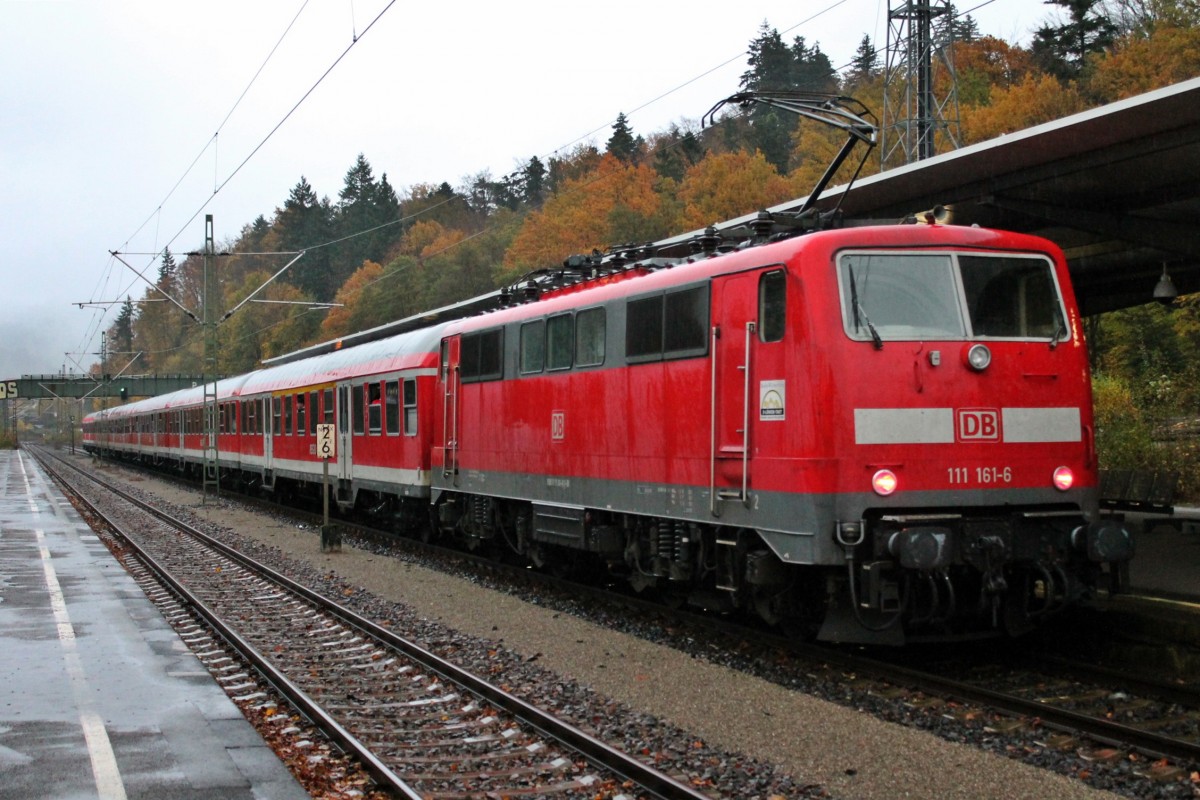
1062,50
304,222
865,64
622,143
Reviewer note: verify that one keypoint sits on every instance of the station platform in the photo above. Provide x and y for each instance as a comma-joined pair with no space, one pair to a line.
1166,561
98,695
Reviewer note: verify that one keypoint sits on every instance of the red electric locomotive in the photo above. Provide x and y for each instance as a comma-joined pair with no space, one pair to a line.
868,433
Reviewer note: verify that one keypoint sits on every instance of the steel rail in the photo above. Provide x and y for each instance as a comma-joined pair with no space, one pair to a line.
603,755
294,694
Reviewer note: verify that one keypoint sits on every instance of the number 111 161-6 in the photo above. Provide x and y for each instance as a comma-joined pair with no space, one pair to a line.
979,475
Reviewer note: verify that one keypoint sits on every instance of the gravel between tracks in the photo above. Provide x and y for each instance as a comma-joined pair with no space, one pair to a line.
827,748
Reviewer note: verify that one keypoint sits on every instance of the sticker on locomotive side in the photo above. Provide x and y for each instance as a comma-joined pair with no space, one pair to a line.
771,400
558,425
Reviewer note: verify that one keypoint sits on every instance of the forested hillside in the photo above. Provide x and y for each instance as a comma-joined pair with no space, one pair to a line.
382,253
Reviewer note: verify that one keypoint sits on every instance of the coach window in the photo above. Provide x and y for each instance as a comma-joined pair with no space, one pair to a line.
391,416
644,329
357,405
327,410
410,406
589,338
374,409
772,305
301,415
533,346
559,334
277,415
312,413
288,429
685,323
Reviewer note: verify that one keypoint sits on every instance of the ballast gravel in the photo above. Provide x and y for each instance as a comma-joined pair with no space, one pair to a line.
752,738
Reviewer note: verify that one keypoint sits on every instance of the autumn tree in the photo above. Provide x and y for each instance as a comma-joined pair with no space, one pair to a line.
580,216
776,66
159,326
304,222
727,185
1062,50
622,144
1035,100
1141,64
864,66
362,221
338,322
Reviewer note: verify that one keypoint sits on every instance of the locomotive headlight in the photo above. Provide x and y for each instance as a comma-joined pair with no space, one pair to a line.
884,482
1063,478
979,357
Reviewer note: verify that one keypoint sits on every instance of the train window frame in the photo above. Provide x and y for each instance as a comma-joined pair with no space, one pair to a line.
560,342
409,396
1055,314
772,308
532,344
391,408
374,408
301,414
327,406
591,339
481,356
277,416
313,411
968,318
682,314
358,419
936,307
643,328
288,415
679,321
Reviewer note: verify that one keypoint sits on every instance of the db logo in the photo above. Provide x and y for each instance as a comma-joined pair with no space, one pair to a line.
558,425
978,425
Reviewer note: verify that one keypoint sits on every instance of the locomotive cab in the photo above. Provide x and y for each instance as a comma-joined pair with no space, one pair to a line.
967,492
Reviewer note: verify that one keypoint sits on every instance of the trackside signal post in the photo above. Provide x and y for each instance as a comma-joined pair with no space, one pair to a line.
331,535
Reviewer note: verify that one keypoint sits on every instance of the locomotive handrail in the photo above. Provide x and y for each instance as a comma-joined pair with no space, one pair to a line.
743,495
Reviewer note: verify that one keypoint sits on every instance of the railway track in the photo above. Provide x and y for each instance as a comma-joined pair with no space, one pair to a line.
1102,716
421,726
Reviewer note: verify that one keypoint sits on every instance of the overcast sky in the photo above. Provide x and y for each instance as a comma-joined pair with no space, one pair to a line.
111,107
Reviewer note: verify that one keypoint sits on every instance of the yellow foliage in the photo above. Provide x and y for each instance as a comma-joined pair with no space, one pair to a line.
1036,99
577,218
337,321
1168,56
727,185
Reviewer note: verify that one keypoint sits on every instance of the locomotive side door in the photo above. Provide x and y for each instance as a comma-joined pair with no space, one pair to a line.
345,397
266,419
450,385
735,400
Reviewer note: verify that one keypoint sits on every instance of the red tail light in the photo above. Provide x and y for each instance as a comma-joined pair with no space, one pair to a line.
1063,478
884,482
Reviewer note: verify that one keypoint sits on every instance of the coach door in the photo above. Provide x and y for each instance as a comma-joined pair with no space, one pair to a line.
450,383
344,419
738,399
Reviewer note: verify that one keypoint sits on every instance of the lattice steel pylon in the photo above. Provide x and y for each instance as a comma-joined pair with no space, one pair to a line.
920,95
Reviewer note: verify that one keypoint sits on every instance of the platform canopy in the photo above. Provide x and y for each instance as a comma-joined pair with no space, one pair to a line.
1117,187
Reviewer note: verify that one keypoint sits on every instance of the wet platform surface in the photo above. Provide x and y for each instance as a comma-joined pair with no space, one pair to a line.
1166,560
98,696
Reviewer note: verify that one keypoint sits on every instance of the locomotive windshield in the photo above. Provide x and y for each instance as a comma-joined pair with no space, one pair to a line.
907,296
